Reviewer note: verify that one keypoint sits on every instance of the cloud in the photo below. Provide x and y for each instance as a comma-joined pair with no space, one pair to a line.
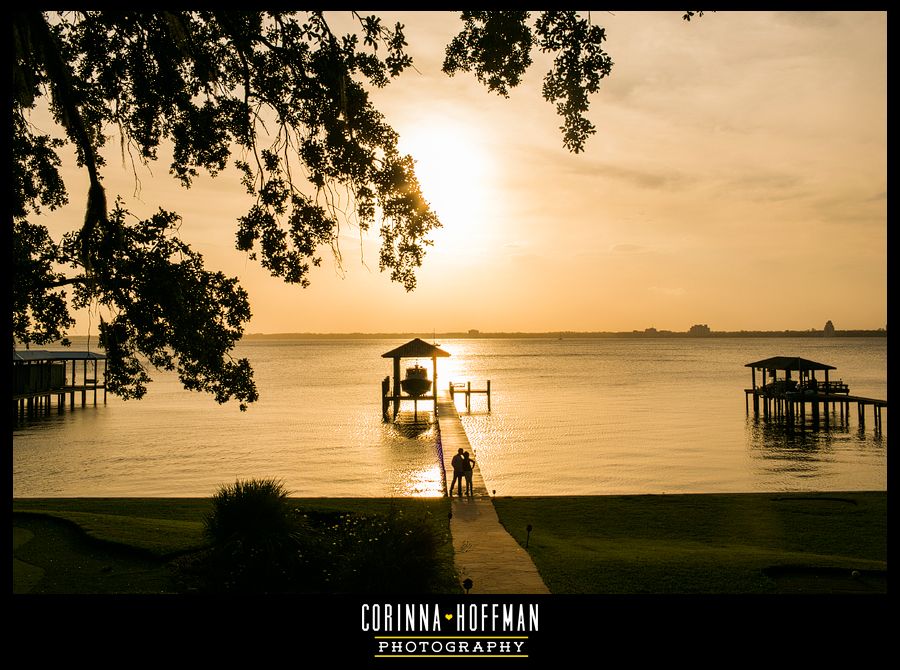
582,166
769,186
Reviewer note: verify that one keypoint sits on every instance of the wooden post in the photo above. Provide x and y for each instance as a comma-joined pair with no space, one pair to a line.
434,382
489,394
755,394
396,386
469,397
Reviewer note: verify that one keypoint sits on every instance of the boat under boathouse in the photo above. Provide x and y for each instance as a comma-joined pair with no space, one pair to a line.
411,387
787,384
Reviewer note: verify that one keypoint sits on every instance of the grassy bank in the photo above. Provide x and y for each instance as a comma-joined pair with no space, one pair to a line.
137,545
711,543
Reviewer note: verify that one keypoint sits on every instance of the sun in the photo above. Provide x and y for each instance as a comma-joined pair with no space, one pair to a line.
454,169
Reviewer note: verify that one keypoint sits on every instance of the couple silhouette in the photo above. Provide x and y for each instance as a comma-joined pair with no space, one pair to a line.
462,469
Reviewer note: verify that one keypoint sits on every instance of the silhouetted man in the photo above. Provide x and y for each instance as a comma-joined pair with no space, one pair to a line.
458,464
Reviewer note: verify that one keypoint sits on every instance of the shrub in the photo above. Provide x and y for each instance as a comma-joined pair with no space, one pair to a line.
250,511
261,544
256,539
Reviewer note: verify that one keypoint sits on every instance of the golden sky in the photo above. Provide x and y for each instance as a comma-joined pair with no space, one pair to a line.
738,178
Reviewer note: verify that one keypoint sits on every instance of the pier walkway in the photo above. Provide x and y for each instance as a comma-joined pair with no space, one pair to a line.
483,550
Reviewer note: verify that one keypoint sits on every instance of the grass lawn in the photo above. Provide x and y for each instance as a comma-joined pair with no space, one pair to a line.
681,544
709,543
127,545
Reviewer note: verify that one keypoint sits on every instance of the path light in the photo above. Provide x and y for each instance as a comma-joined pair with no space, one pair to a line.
527,537
467,584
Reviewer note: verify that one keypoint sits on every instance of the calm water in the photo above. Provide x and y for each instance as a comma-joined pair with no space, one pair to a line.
572,416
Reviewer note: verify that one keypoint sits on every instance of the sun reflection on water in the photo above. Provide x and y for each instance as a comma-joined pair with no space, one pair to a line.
424,483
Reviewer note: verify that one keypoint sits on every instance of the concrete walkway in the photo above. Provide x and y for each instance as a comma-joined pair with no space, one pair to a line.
483,551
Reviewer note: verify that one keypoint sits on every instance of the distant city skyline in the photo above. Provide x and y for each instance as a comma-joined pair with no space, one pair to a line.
738,178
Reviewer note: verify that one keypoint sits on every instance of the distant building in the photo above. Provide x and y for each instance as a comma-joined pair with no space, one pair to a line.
650,331
699,329
829,329
474,331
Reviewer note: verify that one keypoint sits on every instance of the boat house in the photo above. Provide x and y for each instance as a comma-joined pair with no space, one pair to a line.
394,395
787,384
39,375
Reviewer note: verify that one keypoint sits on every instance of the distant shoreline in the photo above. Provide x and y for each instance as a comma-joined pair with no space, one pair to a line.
552,335
570,334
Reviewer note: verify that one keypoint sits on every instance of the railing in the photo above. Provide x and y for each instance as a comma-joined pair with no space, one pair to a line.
785,386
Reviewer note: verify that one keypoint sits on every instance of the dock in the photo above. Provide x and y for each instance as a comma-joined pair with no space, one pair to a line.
487,558
484,552
831,408
787,399
42,378
393,396
465,388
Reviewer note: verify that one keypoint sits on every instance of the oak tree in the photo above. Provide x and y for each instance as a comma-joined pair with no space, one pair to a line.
279,95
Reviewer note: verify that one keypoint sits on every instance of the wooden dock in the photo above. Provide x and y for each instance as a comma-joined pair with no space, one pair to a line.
786,397
830,407
42,402
486,556
42,379
465,388
452,437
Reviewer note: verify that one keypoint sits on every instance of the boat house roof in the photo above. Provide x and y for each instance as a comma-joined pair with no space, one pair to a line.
45,355
789,363
416,348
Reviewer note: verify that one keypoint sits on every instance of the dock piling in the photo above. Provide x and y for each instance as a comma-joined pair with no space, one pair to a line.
465,388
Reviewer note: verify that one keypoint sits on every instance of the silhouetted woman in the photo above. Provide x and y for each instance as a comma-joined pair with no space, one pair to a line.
458,472
468,464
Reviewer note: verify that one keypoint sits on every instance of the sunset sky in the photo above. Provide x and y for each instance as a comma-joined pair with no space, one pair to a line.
738,178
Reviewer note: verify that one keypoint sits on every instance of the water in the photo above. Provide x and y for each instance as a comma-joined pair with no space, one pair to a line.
569,417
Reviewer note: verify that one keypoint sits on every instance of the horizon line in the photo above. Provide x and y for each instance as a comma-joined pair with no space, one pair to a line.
538,333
